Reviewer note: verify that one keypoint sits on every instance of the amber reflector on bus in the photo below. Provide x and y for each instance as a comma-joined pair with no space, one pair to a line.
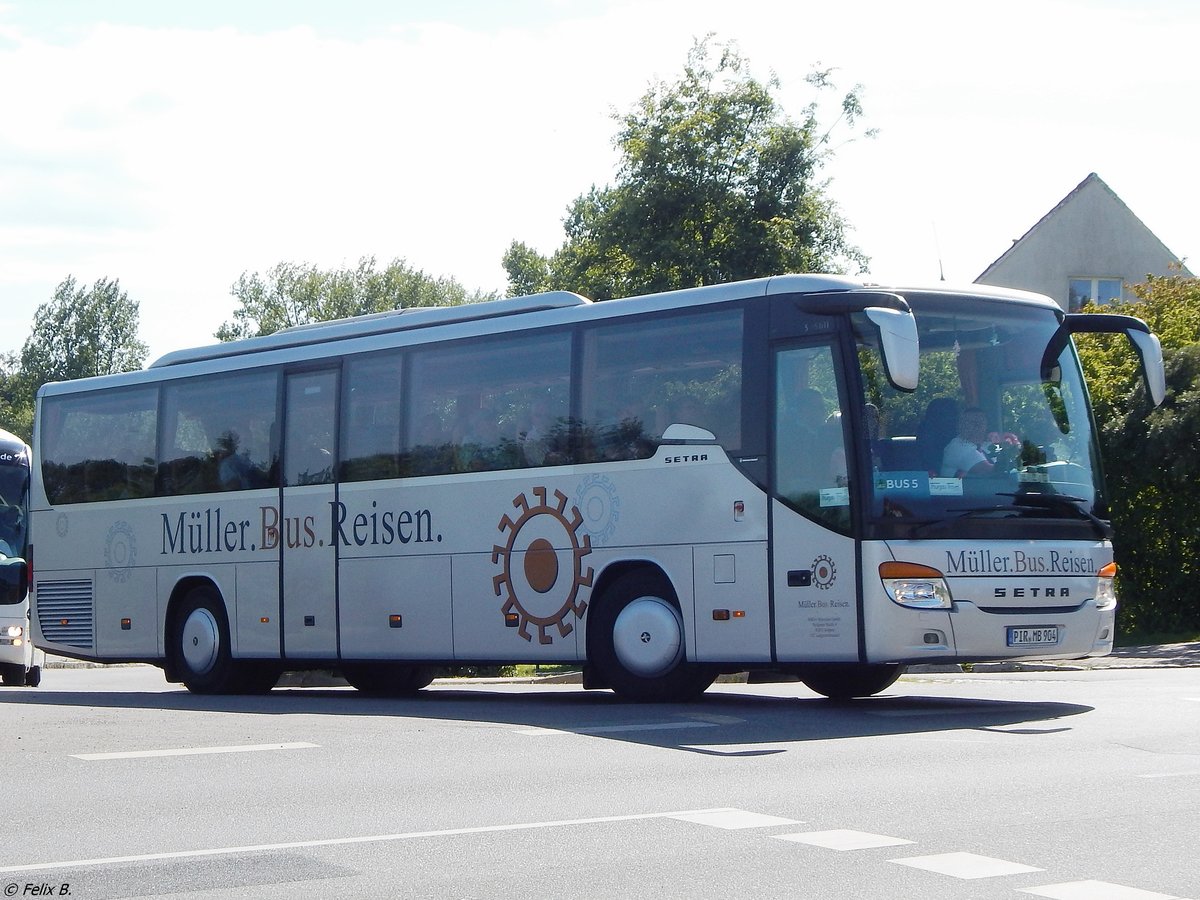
126,624
395,621
512,620
907,570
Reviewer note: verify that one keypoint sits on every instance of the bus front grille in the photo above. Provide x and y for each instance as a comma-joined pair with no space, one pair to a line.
65,613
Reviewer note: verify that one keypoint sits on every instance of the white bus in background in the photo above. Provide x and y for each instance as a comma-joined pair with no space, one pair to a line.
20,663
658,489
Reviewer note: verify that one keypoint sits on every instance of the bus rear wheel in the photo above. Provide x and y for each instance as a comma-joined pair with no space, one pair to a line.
845,681
637,643
200,652
384,679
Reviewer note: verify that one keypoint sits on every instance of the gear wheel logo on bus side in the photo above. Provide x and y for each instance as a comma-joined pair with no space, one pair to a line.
537,591
824,572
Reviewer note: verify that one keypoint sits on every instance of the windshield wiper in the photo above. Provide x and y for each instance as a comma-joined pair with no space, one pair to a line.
1065,502
965,513
1024,502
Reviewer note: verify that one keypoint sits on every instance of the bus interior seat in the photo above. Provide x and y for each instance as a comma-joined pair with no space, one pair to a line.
935,431
899,454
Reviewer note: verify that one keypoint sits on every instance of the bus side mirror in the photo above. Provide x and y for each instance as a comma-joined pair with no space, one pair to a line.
1145,343
14,577
1149,351
900,348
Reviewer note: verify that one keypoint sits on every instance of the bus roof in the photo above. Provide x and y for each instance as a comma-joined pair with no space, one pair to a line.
562,307
425,317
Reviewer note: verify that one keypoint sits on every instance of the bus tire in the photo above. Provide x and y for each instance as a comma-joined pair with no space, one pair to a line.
12,674
384,679
199,647
845,681
255,676
33,677
636,640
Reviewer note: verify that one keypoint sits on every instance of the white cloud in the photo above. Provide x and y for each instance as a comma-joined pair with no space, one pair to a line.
176,158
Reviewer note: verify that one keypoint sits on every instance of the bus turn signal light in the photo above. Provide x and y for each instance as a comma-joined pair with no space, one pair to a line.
1106,587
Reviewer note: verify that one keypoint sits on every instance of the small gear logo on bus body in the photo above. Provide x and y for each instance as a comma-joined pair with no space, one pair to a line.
532,580
824,572
120,551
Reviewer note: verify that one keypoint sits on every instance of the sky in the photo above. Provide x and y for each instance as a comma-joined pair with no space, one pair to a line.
177,145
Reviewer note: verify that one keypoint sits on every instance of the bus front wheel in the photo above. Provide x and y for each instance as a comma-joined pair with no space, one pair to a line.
845,681
638,643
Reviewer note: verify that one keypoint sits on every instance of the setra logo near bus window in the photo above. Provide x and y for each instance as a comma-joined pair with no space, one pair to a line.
541,585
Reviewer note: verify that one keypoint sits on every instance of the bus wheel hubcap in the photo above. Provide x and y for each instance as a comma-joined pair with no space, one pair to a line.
201,641
648,637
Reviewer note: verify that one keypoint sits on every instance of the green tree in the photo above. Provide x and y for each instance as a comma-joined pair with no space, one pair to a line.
80,332
715,184
83,332
16,403
1152,456
298,293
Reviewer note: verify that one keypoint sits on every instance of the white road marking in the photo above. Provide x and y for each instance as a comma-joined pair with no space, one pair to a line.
732,819
1170,775
372,839
193,751
617,729
965,865
1094,890
843,839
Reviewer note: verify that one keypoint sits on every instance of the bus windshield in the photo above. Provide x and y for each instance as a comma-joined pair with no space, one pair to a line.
998,431
14,497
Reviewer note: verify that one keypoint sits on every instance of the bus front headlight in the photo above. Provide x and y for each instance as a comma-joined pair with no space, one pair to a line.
1106,587
915,586
12,635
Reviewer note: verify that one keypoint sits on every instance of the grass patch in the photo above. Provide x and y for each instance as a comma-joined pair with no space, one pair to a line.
530,671
1141,638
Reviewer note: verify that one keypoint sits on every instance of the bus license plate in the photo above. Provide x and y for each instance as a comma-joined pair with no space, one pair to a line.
1041,636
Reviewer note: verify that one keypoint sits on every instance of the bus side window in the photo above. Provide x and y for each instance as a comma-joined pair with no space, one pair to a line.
642,375
486,405
811,472
217,434
371,429
101,446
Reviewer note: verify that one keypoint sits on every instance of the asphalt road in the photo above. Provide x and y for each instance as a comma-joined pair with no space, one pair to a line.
1067,784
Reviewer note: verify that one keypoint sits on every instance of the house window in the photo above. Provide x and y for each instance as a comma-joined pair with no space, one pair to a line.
1099,291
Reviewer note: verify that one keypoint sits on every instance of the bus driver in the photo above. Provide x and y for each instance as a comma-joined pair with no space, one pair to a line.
964,454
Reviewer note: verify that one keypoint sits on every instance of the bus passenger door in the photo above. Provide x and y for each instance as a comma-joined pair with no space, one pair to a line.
308,552
813,552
